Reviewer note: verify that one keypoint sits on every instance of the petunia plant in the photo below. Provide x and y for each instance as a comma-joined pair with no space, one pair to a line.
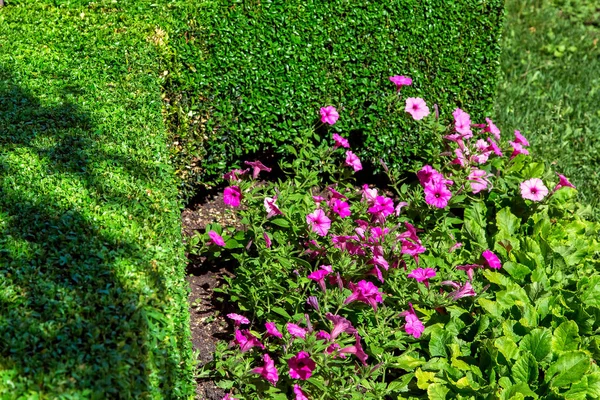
469,280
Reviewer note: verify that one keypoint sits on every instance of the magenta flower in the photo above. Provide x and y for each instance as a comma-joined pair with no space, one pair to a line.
300,395
517,149
478,180
416,107
428,175
228,397
382,207
491,128
301,366
469,269
400,81
319,222
247,340
268,371
422,275
267,240
520,139
494,147
319,277
462,123
492,260
324,336
313,302
353,161
563,182
341,208
238,319
272,330
413,325
257,166
413,249
216,238
340,142
357,350
234,175
533,189
437,195
296,331
271,207
461,290
365,292
232,196
340,324
329,115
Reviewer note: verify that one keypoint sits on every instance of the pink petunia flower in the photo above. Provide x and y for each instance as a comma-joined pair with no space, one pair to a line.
267,240
413,326
491,128
271,207
491,259
232,196
410,233
533,189
234,175
437,195
365,292
462,123
268,370
329,115
340,324
296,331
272,330
455,246
246,340
300,395
399,207
313,302
257,166
319,222
400,81
518,149
563,182
340,142
413,249
353,161
238,319
520,139
494,147
381,208
341,208
422,275
228,397
369,194
324,336
428,175
461,290
469,269
416,107
301,366
216,238
478,180
319,277
357,350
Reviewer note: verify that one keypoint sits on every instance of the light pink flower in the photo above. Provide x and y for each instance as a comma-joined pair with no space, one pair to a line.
461,157
238,319
494,147
216,238
340,141
365,292
329,115
414,326
340,324
481,145
469,269
341,208
521,139
437,195
491,259
246,340
267,240
399,207
478,180
422,275
301,366
234,175
257,166
296,331
462,123
272,330
461,290
455,246
400,81
357,350
533,189
271,207
416,107
563,182
318,200
353,161
491,128
369,194
517,149
300,395
268,371
232,196
319,222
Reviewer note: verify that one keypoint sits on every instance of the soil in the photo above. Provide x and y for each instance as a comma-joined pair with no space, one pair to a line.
207,321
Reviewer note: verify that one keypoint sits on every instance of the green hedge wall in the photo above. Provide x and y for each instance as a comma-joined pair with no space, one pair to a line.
255,73
93,301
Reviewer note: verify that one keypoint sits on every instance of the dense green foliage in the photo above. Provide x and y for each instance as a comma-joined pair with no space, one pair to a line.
92,295
249,76
551,84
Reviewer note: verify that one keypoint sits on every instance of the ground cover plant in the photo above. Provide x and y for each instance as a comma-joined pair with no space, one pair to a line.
92,297
245,74
550,86
479,280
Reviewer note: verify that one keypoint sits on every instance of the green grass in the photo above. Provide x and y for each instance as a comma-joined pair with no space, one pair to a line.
92,296
551,85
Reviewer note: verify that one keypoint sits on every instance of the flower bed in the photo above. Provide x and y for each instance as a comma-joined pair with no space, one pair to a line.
477,280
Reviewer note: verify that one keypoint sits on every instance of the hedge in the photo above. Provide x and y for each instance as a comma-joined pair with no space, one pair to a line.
93,301
251,72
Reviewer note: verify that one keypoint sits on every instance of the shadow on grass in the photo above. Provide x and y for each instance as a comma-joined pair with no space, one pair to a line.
69,322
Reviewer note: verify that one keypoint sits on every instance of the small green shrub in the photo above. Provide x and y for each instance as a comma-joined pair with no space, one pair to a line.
251,70
476,282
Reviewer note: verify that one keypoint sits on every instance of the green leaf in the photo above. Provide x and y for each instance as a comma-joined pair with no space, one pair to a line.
424,379
570,367
538,342
400,384
520,390
517,271
590,292
507,347
507,222
437,391
566,337
282,312
440,338
525,369
491,307
407,362
282,222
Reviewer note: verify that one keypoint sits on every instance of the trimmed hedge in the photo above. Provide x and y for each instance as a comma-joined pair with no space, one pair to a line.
254,74
93,301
